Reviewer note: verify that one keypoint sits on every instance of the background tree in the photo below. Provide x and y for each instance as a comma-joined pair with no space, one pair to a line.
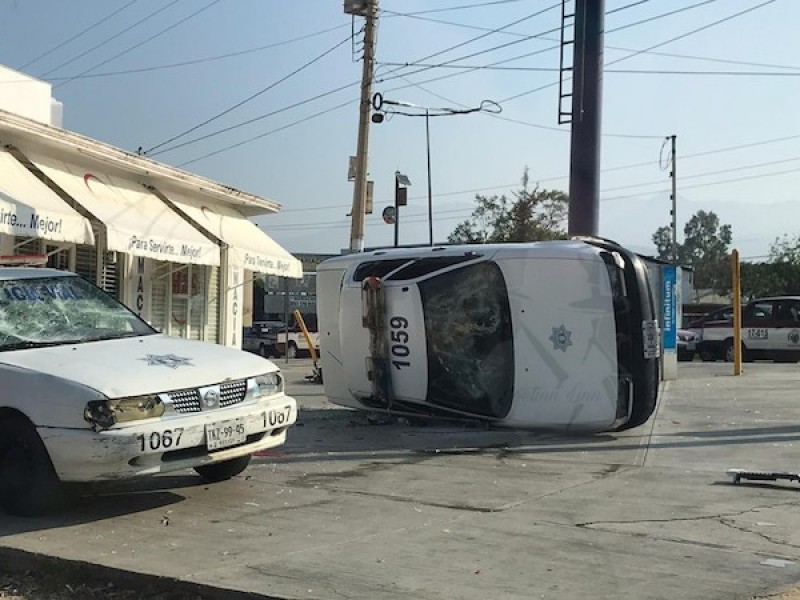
532,215
705,248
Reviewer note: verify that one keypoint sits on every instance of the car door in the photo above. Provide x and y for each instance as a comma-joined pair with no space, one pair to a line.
759,325
787,324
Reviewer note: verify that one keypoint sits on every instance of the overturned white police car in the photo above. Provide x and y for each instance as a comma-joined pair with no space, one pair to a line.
559,335
91,392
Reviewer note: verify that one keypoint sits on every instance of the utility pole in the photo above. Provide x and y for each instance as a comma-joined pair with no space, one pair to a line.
674,197
587,92
369,10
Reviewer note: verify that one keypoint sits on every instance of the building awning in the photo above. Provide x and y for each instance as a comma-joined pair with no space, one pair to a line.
28,208
137,221
249,247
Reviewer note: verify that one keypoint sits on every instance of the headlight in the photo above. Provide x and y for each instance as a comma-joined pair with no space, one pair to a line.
106,413
269,384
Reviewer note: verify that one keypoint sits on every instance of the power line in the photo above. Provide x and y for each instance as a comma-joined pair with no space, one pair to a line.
262,135
607,46
630,136
654,46
249,98
708,173
465,211
198,61
262,117
250,121
79,34
145,41
625,167
693,31
462,7
525,38
110,39
480,37
618,71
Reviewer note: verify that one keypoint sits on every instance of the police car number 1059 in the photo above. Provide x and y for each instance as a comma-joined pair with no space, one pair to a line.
398,342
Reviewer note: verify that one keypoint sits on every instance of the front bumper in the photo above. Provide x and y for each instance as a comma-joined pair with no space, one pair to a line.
165,444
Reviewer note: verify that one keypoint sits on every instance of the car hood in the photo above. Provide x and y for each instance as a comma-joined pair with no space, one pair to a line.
140,365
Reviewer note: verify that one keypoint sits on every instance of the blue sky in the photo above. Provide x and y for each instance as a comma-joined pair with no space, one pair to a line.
117,86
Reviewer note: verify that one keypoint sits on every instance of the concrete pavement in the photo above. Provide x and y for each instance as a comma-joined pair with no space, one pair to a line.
351,508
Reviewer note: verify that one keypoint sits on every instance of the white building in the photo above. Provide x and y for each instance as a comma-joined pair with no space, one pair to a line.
177,248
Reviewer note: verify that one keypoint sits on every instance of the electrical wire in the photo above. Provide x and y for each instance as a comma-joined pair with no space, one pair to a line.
614,71
482,36
77,35
262,117
609,47
143,42
249,98
197,61
262,135
110,39
462,7
654,46
625,167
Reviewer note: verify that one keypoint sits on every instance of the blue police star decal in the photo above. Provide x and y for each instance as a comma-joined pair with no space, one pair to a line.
167,360
561,338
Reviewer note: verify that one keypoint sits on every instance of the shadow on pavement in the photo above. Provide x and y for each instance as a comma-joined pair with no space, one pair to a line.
88,503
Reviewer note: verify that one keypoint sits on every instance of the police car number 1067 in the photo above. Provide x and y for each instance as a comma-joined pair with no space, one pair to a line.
398,343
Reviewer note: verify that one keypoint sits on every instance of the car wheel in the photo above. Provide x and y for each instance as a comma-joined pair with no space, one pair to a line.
223,470
29,486
727,352
292,351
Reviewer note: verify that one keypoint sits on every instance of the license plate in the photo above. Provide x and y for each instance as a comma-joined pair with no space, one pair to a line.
652,341
223,434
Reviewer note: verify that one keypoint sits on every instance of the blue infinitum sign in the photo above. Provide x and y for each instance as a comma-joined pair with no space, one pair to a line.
669,314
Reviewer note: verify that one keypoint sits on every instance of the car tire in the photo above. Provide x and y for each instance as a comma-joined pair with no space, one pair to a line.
29,486
727,352
224,470
292,351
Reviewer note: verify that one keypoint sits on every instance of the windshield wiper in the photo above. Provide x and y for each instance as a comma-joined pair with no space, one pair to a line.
23,344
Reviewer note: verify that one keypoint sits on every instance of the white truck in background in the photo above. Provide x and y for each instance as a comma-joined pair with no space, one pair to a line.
298,342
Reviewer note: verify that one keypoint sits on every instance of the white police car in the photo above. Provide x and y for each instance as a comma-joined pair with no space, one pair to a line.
91,392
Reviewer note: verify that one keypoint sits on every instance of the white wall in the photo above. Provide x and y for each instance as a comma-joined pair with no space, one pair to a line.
28,97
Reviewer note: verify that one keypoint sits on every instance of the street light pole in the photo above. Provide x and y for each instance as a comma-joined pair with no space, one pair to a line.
378,102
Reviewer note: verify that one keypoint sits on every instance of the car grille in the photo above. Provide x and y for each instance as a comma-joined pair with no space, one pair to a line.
188,401
232,393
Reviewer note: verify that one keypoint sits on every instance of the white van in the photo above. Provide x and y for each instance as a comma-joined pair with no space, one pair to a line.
551,334
88,392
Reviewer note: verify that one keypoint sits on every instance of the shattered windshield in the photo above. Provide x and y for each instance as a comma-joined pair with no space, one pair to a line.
51,311
470,340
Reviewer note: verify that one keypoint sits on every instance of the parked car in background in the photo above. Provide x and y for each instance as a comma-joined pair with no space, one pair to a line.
91,392
687,344
770,330
261,338
297,343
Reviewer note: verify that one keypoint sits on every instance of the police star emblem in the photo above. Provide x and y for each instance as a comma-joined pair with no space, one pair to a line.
167,360
561,338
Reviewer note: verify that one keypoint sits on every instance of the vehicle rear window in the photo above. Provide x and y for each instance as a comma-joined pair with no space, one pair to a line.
470,340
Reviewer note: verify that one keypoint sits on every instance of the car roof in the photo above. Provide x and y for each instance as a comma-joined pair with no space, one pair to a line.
8,273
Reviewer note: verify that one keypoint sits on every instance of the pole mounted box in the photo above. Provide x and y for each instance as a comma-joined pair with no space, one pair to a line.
357,8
